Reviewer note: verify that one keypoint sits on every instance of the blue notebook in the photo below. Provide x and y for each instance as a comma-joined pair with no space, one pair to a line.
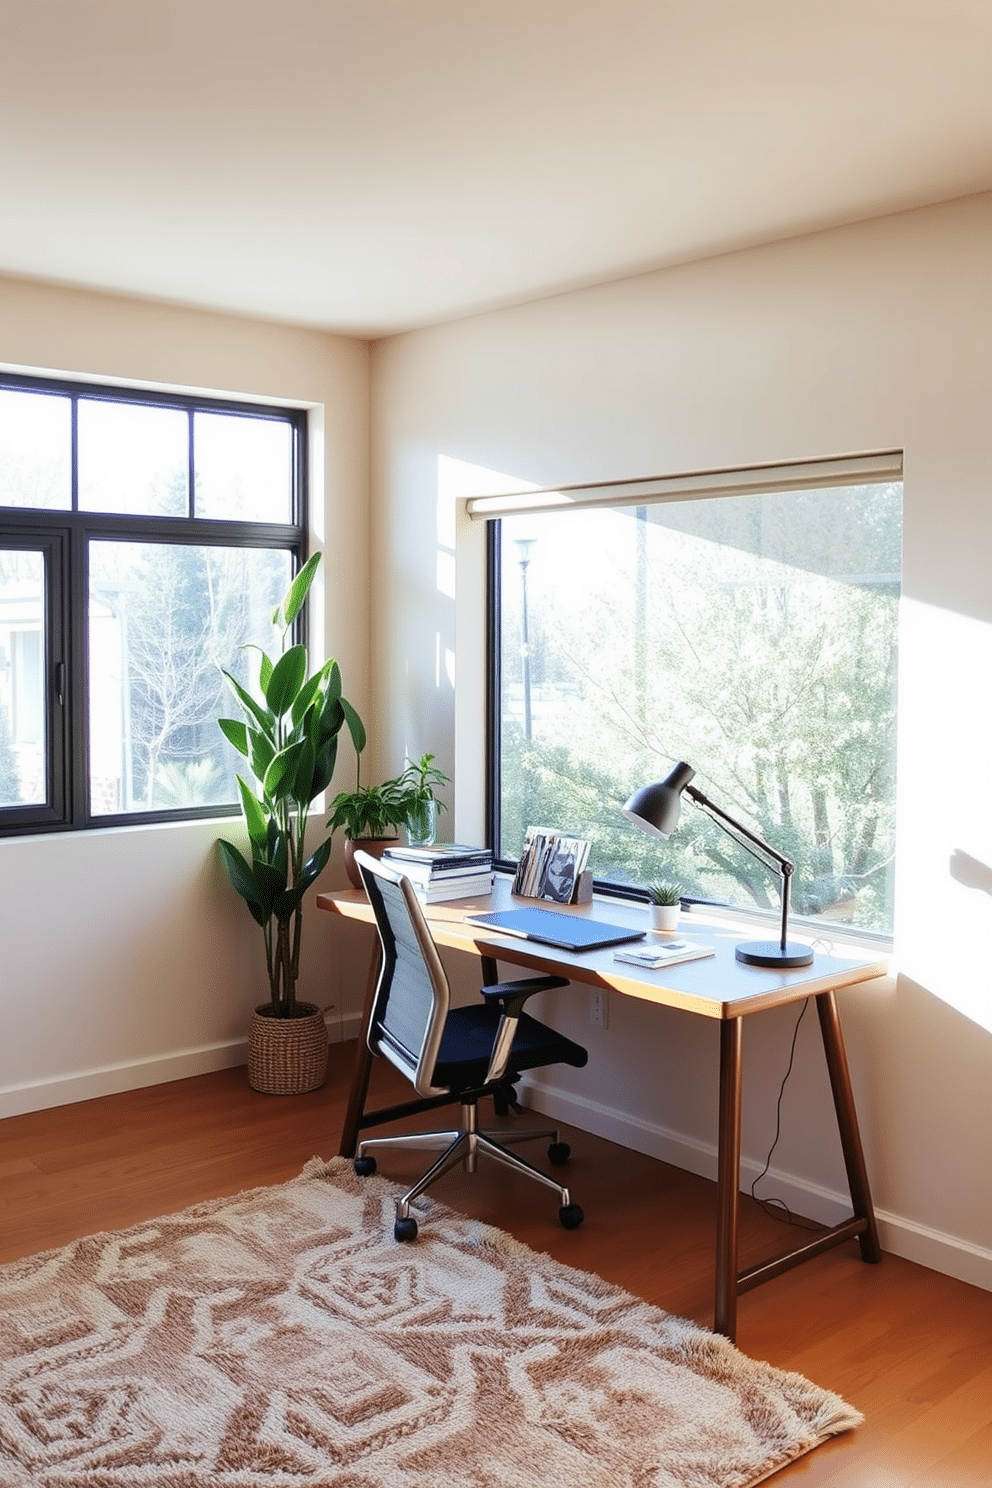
549,927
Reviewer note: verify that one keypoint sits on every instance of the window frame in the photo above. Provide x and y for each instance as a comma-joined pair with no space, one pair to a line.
869,468
67,533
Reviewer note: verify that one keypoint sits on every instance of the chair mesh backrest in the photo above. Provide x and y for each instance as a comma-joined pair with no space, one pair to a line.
412,995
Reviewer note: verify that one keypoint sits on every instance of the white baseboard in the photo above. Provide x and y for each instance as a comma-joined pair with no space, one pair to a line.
935,1249
65,1090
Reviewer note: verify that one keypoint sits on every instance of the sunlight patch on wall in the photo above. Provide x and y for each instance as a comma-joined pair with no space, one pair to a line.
446,573
944,892
444,662
457,480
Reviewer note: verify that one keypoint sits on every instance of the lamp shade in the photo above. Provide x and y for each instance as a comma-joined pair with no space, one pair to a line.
655,808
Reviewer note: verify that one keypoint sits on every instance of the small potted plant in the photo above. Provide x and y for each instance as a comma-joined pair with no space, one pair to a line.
423,806
289,738
666,901
371,816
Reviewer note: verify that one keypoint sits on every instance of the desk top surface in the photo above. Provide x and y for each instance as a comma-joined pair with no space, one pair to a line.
717,986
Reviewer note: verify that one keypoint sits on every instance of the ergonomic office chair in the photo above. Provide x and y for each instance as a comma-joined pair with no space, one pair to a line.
464,1053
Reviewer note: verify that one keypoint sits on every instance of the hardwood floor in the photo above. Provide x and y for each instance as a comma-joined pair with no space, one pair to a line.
910,1348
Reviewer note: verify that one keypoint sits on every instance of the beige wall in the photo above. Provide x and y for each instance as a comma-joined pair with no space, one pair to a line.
867,338
127,958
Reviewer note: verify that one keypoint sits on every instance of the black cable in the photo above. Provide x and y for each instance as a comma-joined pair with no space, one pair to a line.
777,1208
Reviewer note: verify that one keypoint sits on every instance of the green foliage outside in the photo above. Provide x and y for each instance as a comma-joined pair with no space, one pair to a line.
756,640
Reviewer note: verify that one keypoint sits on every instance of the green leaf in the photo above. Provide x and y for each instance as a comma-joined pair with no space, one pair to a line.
264,671
314,866
261,753
286,902
235,733
271,881
302,788
308,694
287,678
277,851
252,708
256,818
323,769
355,726
243,879
280,775
331,719
284,906
300,588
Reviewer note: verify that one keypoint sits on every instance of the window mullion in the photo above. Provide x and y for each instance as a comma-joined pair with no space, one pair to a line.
76,683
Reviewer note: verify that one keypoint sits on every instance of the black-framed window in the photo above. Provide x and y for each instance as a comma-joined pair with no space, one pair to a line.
145,540
753,634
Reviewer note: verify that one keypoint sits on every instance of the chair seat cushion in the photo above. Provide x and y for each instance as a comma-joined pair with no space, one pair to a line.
467,1043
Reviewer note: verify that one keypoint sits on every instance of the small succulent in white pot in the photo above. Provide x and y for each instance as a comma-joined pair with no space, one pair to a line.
666,901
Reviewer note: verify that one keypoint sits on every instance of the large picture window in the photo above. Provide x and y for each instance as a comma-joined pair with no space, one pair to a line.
751,634
145,541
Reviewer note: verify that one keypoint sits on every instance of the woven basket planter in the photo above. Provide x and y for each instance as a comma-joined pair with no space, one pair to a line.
287,1056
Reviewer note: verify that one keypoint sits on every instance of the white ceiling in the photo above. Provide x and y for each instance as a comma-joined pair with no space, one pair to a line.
369,166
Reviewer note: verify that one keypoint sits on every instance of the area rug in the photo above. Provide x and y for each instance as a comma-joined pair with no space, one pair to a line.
284,1338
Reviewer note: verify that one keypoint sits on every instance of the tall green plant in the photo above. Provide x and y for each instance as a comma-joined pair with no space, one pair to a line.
289,736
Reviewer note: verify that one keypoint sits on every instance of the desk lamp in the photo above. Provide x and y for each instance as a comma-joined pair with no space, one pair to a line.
656,808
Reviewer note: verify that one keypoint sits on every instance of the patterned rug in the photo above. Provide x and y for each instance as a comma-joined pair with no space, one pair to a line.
283,1338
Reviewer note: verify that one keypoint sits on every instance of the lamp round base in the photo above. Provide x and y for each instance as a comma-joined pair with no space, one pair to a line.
771,953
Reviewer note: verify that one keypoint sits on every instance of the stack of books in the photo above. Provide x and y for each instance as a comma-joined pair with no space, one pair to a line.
448,870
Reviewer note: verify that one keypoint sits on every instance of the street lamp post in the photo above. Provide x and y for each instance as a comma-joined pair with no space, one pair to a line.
524,545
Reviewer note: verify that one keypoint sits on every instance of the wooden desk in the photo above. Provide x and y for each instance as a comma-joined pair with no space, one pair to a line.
718,987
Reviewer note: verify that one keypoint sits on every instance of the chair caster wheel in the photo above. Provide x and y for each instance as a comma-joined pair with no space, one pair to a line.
559,1153
405,1229
364,1166
571,1216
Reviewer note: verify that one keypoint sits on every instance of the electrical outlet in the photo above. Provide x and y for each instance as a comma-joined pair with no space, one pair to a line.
599,1007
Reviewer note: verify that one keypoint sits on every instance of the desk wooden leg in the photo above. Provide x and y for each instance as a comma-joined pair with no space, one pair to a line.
728,1177
847,1122
362,1067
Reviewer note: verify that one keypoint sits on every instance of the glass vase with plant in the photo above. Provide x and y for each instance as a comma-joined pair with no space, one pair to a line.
423,806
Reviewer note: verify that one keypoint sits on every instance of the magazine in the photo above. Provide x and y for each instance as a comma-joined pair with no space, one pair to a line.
550,865
664,953
441,855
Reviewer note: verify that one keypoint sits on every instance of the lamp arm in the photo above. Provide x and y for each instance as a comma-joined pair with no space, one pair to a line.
744,836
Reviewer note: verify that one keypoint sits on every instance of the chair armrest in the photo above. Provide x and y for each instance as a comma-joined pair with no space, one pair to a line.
512,995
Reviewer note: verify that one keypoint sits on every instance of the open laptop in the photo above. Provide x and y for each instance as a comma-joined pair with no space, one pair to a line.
550,927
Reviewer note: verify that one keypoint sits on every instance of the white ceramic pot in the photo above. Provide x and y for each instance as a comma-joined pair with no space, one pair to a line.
665,916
